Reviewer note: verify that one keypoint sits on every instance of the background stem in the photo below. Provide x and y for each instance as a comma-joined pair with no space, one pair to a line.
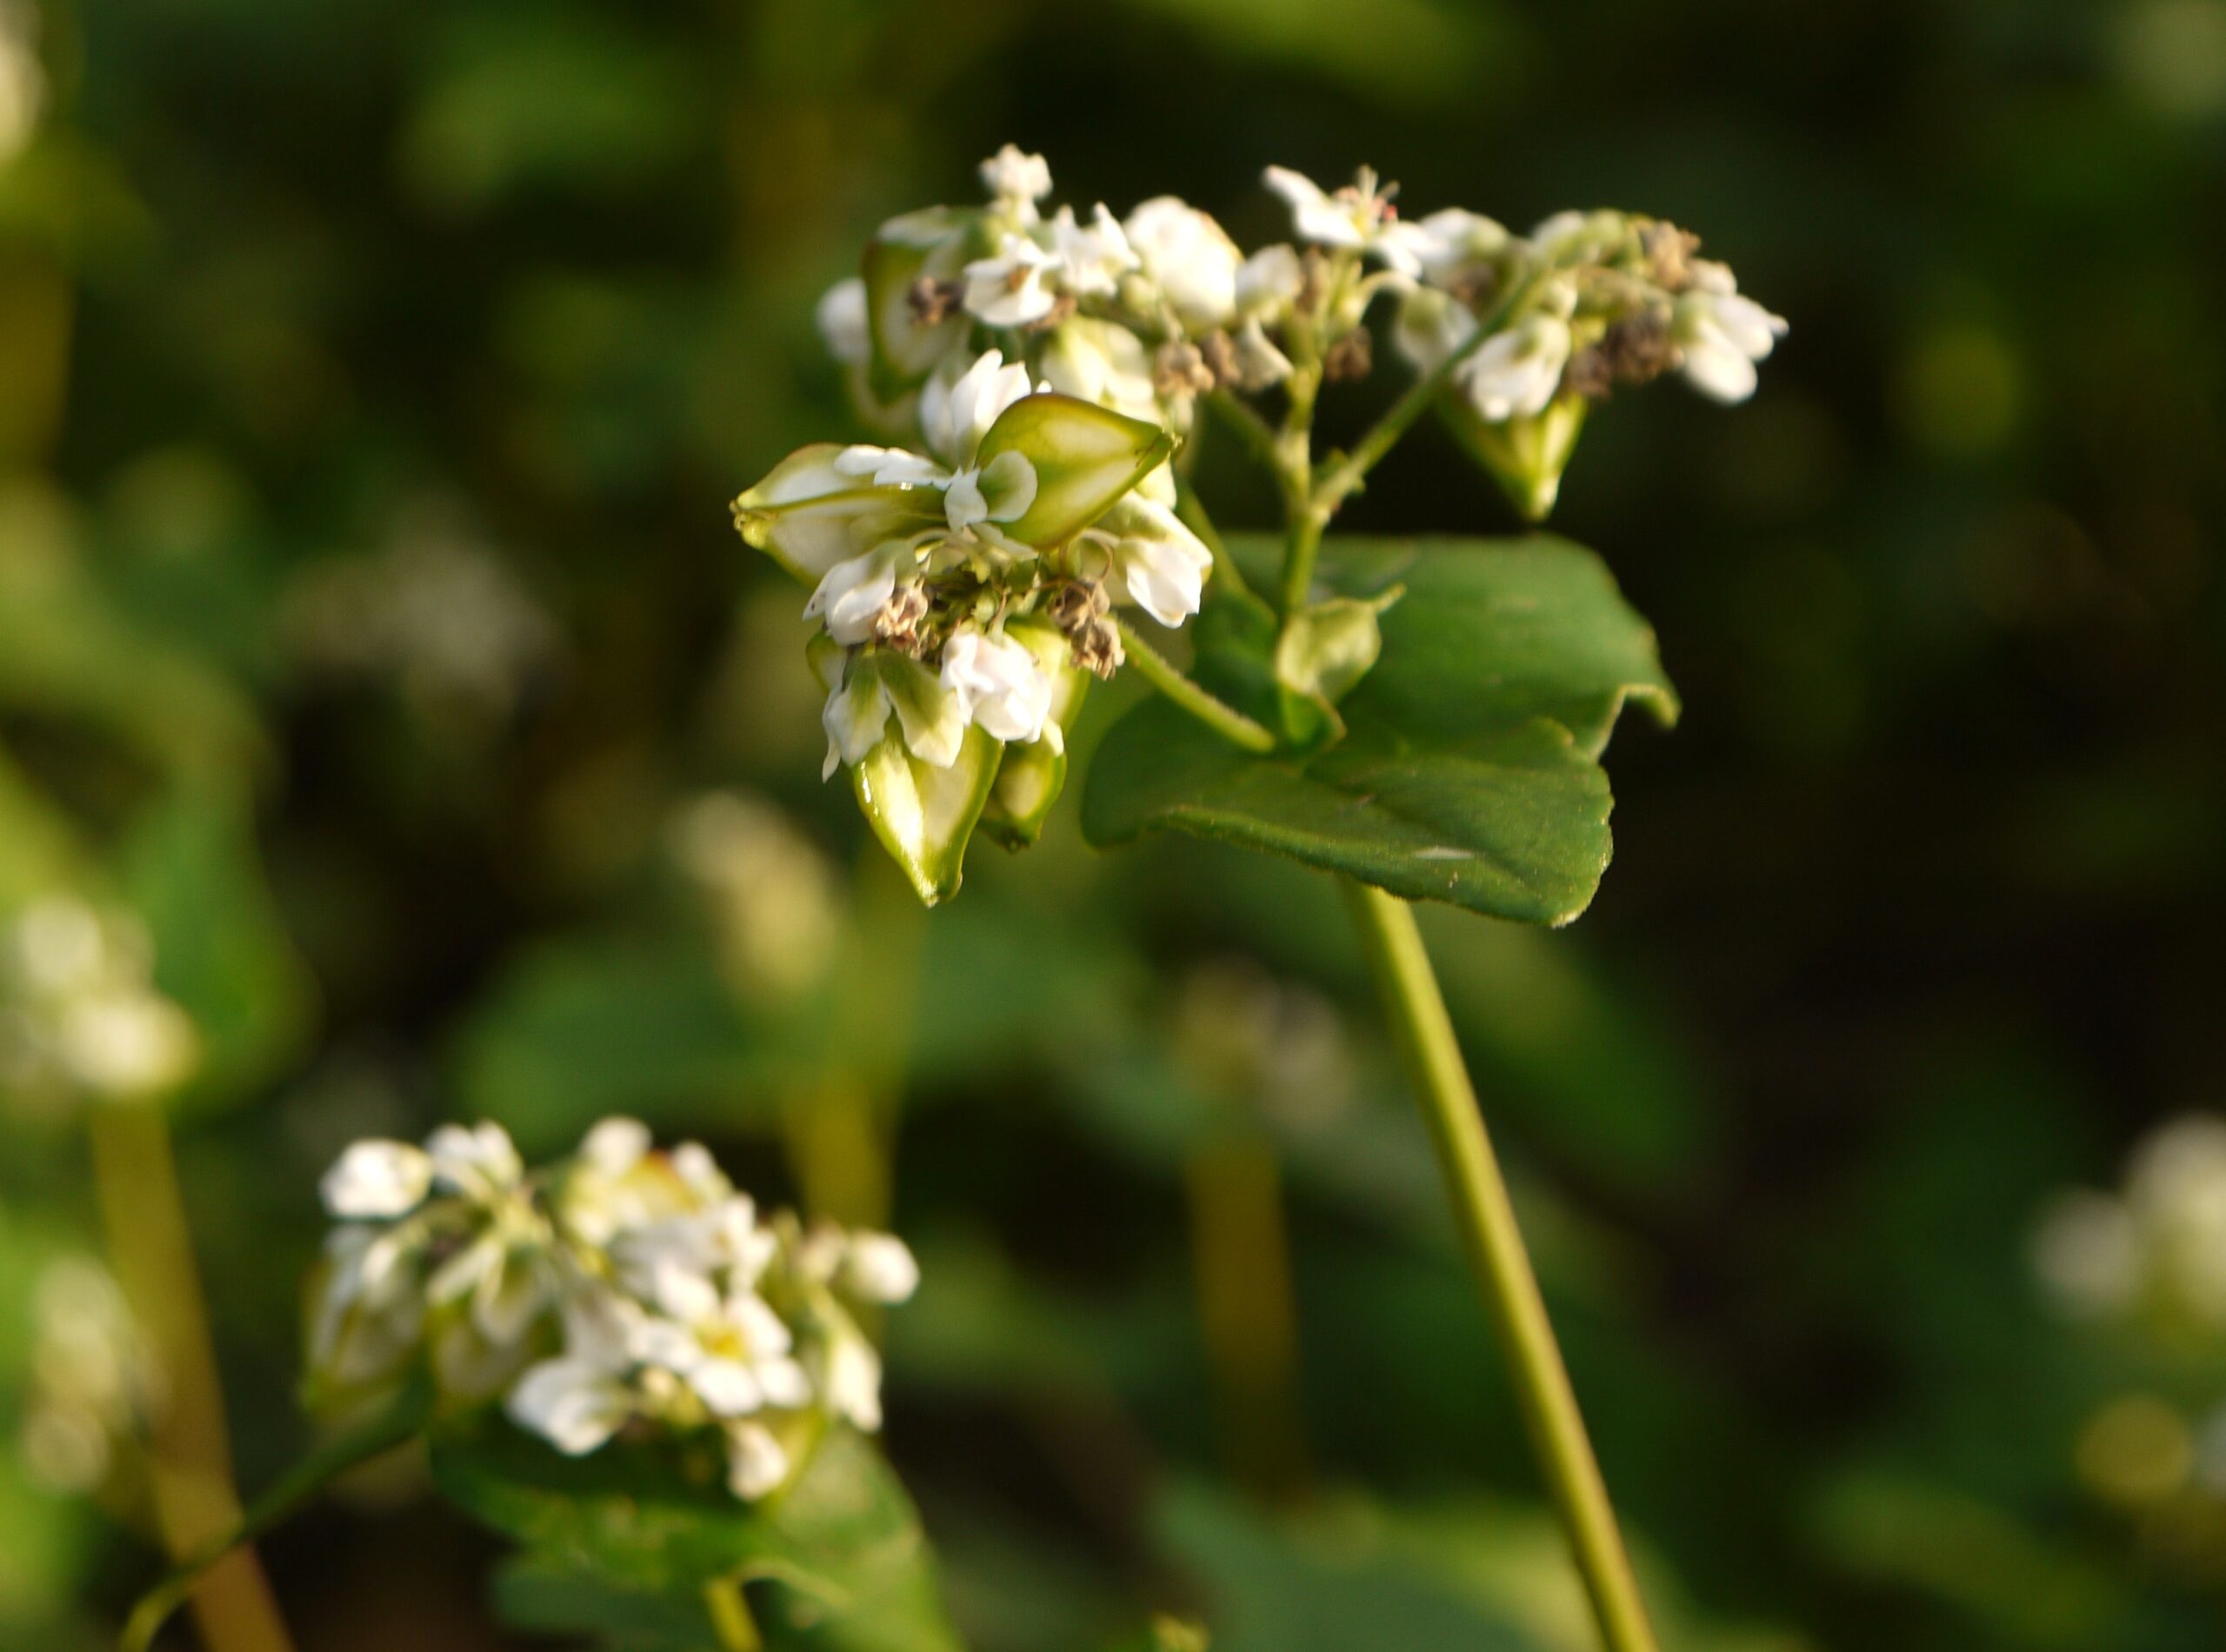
1495,1252
151,1245
730,1619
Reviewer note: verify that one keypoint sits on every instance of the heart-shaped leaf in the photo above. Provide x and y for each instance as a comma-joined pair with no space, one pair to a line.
1470,771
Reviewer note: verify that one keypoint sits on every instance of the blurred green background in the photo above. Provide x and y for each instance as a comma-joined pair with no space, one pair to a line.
373,375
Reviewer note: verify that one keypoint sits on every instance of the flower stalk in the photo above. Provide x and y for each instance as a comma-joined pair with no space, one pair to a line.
1494,1245
1223,719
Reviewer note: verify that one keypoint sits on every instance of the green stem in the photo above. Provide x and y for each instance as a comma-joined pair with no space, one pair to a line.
189,1455
1495,1252
1341,479
1224,720
1192,511
400,1422
730,1619
1243,418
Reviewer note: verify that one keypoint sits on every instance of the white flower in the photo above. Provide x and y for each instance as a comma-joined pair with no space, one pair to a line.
1259,363
1000,491
1359,216
1023,283
1722,333
1453,240
125,1043
616,1146
1190,257
1015,287
1102,362
576,1405
756,1462
55,947
1514,374
880,1268
851,596
480,1162
1016,181
1161,564
377,1179
851,1384
1429,326
1092,257
957,410
998,684
863,693
841,318
1269,280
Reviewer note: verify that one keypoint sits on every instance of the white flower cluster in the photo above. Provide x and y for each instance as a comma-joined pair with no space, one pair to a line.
1041,364
2156,1250
1587,302
79,1017
94,1380
622,1290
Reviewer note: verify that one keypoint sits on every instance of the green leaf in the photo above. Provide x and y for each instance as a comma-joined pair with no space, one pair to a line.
1085,458
837,1561
1471,772
190,868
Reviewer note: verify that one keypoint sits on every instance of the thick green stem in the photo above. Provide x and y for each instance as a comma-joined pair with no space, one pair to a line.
1224,720
1496,1253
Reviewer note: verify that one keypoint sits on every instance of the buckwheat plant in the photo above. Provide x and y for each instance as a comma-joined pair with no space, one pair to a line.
1423,720
664,1396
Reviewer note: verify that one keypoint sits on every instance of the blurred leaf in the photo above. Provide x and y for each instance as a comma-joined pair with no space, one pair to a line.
189,866
1318,1587
1470,774
837,1560
582,1029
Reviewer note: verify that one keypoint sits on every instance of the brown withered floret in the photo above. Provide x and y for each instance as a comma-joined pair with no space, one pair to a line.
934,301
1097,647
1632,352
1350,357
897,623
1669,250
1180,368
1218,352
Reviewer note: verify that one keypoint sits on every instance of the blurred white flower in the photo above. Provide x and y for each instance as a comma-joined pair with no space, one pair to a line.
22,77
1360,216
622,1290
1514,374
841,320
1016,181
79,1016
93,1381
1722,333
1190,258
